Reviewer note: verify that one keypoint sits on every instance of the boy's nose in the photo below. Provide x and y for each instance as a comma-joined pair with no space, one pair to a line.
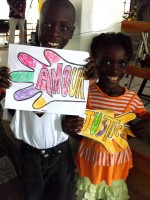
54,30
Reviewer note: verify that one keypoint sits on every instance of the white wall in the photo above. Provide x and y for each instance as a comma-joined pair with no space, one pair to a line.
107,13
32,11
4,10
92,18
97,16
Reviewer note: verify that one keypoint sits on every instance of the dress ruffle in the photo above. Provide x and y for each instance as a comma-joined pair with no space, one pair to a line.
88,191
96,163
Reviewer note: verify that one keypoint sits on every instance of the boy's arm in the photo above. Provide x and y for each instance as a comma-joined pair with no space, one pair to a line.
4,78
5,84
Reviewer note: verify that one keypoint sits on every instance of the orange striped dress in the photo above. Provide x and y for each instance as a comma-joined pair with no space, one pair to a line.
93,160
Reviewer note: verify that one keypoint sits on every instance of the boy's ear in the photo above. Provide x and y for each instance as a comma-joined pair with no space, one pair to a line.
72,32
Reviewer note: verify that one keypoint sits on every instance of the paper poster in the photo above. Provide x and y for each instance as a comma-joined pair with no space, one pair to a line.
103,126
47,80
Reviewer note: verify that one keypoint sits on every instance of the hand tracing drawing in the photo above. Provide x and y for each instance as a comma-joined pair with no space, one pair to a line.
57,81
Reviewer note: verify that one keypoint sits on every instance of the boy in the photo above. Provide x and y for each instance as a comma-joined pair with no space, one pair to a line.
46,158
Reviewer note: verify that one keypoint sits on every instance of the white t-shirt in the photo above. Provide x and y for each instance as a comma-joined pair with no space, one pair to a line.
40,132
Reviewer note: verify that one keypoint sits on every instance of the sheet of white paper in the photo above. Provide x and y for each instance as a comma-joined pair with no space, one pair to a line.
49,80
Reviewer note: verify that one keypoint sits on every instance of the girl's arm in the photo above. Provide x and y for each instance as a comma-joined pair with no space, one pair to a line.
72,125
141,128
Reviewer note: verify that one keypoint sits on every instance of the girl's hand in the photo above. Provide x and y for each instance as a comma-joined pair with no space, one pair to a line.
90,69
141,128
72,125
4,77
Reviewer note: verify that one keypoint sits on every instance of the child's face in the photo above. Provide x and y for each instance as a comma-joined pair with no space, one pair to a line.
56,24
111,64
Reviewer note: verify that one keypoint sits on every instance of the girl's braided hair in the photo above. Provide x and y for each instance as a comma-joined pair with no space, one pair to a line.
105,40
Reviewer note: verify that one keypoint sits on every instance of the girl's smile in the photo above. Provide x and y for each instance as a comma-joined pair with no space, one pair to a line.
111,66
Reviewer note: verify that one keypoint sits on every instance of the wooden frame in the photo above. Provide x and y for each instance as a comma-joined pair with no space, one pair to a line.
137,26
141,73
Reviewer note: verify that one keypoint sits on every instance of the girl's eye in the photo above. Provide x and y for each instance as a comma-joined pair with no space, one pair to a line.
123,64
49,25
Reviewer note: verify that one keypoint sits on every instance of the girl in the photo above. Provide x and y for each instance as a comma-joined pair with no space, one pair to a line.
100,178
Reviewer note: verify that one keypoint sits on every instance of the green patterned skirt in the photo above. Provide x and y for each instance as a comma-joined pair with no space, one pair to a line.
87,191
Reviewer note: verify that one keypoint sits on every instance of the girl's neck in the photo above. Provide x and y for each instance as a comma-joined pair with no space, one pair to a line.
112,92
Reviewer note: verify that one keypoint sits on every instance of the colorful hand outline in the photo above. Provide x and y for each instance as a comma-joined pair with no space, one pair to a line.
104,126
41,86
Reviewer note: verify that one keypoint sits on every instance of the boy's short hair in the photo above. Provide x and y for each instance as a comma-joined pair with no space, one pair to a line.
56,1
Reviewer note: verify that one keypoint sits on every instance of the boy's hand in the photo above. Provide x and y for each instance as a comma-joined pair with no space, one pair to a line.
90,69
141,128
72,125
4,77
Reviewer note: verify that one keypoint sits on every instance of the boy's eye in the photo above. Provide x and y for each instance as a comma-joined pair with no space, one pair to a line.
106,62
47,25
64,28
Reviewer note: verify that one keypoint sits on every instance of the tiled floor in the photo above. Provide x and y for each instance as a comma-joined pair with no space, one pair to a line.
136,83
